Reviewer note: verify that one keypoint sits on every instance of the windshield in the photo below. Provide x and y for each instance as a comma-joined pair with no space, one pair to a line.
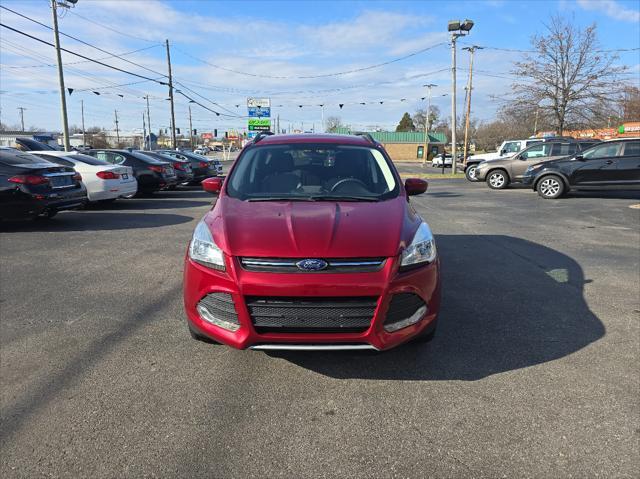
312,172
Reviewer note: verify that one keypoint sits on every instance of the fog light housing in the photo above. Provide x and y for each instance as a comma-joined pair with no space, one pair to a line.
404,310
413,319
219,309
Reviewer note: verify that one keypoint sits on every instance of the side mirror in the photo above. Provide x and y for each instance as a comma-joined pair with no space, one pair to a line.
579,157
503,152
212,185
415,186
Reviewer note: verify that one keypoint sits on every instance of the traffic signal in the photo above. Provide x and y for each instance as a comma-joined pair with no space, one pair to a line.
195,132
226,134
178,131
215,133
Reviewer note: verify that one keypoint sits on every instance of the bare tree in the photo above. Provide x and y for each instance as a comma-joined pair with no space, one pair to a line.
420,114
567,74
333,123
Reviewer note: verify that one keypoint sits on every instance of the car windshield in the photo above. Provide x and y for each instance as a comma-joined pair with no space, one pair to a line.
308,172
33,145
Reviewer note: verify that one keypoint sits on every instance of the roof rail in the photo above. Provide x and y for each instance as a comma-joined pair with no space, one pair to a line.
262,135
366,136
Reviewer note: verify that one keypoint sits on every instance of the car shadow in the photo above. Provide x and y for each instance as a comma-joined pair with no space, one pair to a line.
444,194
147,203
95,221
507,304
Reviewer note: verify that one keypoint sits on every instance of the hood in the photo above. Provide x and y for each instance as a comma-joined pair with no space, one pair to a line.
289,229
497,161
485,156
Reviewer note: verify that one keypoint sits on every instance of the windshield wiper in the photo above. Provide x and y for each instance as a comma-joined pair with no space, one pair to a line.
345,198
281,198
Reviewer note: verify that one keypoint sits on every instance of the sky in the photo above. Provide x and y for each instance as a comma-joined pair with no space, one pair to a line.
294,52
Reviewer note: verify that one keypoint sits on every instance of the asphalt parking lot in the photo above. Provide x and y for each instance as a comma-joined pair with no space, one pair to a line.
533,372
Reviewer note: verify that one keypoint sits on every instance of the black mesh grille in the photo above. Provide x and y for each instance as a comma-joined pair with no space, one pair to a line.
311,314
221,306
402,306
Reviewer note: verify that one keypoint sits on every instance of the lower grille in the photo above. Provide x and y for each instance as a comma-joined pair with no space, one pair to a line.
308,314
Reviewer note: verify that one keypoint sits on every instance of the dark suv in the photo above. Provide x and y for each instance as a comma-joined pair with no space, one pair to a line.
613,164
501,172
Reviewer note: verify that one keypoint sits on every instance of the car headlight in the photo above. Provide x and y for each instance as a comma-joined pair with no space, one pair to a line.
422,249
204,250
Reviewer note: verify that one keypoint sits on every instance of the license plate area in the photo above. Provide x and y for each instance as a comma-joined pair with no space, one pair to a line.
62,181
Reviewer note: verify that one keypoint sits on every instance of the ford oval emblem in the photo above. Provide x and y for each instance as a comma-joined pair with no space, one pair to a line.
312,264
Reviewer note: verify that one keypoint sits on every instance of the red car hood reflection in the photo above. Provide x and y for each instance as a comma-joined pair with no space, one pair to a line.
308,229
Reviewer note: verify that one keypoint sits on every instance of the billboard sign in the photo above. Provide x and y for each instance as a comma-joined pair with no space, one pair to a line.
258,102
257,112
259,124
207,136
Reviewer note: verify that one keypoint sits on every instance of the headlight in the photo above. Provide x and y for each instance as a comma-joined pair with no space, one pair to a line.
422,249
203,249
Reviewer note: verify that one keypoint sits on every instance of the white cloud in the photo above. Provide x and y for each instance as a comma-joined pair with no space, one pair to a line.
612,9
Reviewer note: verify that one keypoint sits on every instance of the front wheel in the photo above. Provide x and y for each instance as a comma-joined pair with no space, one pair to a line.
550,187
470,173
497,180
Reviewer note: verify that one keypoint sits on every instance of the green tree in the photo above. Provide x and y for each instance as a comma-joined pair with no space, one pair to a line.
406,123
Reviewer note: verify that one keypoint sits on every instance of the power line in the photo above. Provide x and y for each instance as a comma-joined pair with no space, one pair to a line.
307,77
79,55
82,61
112,29
81,41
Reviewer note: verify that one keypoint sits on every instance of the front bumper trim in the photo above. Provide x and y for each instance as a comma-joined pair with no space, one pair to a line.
313,347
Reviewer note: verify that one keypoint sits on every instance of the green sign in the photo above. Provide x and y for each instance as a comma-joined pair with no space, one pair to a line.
259,122
621,129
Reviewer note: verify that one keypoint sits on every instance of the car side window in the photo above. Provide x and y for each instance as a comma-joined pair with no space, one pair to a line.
563,149
631,148
512,147
605,150
117,159
537,151
103,155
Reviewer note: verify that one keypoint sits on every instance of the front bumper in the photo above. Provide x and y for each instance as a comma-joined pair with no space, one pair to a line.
528,179
239,283
481,173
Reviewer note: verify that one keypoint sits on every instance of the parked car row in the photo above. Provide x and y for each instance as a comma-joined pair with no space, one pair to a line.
42,183
556,166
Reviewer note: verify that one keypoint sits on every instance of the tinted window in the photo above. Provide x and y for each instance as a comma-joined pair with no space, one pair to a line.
312,171
631,148
605,150
146,158
56,159
532,142
33,145
11,158
563,149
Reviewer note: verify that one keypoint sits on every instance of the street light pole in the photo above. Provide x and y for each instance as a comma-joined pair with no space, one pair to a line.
63,99
456,28
173,113
84,135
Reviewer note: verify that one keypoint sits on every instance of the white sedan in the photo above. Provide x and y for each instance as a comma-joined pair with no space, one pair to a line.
104,181
438,160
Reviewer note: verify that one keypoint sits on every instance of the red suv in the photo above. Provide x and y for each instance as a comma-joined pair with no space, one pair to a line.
312,244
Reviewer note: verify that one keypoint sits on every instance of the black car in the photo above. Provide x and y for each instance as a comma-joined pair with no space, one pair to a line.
202,167
31,186
183,169
152,174
613,164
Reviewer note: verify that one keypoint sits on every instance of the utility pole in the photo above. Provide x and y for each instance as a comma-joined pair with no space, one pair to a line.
22,116
84,135
427,126
190,129
148,121
173,113
117,130
63,99
144,133
535,123
322,113
471,50
454,37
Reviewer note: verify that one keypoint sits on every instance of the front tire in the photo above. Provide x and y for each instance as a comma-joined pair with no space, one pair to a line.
470,173
497,180
550,187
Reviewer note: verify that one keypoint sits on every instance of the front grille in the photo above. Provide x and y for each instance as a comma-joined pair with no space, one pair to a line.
403,306
308,314
220,306
334,265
